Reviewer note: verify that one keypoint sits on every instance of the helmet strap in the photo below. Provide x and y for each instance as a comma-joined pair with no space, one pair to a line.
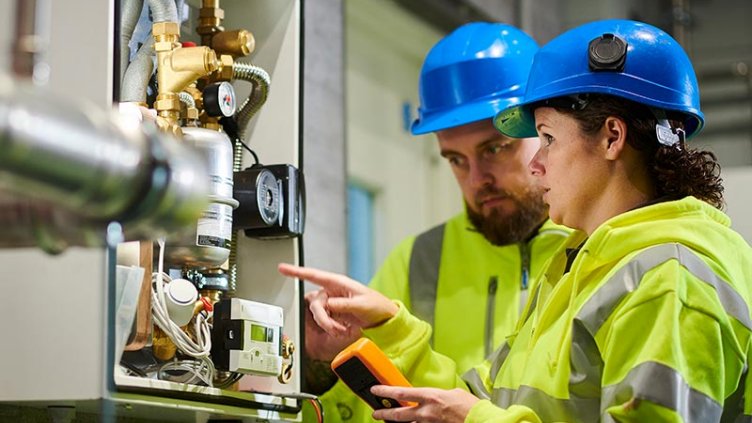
665,134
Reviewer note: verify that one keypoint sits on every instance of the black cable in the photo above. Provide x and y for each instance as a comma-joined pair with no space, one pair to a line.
253,153
133,368
230,125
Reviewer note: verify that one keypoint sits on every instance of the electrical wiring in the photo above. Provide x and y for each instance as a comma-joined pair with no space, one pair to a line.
225,382
316,403
313,399
230,126
198,348
198,371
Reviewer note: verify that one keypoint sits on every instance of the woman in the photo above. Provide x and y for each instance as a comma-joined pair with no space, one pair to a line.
645,316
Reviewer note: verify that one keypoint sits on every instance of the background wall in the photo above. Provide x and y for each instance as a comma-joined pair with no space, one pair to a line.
412,190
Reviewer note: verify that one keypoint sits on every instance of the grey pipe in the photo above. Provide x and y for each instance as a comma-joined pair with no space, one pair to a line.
90,164
163,10
130,12
261,83
137,74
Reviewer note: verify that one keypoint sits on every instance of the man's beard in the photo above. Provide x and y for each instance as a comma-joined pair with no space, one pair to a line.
504,229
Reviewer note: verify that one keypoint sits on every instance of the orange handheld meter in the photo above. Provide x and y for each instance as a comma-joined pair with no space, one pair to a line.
362,365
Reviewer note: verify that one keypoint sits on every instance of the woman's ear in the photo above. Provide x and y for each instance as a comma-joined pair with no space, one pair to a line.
615,137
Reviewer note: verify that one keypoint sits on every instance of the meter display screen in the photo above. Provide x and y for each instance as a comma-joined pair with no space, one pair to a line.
258,333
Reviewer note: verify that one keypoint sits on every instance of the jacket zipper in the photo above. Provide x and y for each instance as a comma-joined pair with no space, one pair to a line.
524,265
493,284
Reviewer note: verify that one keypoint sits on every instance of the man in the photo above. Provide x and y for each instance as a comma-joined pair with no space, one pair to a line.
468,277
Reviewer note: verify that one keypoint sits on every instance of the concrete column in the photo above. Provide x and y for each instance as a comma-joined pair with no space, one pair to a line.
325,239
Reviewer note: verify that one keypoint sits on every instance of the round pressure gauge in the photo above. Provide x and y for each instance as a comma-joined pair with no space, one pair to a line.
219,99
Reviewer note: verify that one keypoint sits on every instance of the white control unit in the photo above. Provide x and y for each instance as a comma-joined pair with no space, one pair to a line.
247,337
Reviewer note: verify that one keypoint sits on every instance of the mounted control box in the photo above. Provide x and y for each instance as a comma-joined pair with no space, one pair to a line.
246,337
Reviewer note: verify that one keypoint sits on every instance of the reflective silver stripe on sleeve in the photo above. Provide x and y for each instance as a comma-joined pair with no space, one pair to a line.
649,381
664,386
425,260
603,302
476,385
547,407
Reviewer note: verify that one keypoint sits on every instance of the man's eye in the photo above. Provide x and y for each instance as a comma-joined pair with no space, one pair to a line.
453,160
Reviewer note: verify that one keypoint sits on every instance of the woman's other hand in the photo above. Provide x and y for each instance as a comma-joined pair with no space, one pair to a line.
433,405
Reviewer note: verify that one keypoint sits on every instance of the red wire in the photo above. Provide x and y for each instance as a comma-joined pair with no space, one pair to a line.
318,411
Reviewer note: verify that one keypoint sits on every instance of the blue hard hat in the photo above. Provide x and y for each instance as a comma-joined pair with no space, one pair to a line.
622,58
472,74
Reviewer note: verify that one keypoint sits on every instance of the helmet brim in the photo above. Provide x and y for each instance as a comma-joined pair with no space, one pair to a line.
516,122
463,115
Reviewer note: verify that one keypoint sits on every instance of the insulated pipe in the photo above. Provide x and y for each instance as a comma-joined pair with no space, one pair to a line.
137,75
96,166
130,12
261,81
163,10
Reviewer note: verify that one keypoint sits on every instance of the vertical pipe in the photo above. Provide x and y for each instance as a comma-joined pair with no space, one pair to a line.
32,36
681,24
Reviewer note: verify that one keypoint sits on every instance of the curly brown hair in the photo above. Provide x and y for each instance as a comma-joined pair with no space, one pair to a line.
677,171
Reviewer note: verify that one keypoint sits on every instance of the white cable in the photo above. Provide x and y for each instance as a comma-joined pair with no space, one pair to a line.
198,348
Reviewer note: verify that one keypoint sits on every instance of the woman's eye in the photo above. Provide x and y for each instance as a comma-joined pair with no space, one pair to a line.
548,139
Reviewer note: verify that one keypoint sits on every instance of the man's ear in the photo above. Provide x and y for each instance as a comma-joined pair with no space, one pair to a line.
614,136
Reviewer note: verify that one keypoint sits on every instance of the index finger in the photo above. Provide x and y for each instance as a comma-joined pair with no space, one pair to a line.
324,279
403,393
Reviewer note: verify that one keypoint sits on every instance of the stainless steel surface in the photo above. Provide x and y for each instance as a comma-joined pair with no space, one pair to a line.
92,166
208,244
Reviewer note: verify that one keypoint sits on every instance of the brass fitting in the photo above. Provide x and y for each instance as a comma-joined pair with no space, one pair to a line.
210,122
239,42
288,347
197,95
224,73
177,67
209,20
162,346
180,67
287,350
166,35
191,115
167,126
213,295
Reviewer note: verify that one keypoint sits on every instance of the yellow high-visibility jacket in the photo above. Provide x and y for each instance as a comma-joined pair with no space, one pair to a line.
650,322
471,291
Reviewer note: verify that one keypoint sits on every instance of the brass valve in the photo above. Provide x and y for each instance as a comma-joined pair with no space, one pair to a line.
177,68
239,42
